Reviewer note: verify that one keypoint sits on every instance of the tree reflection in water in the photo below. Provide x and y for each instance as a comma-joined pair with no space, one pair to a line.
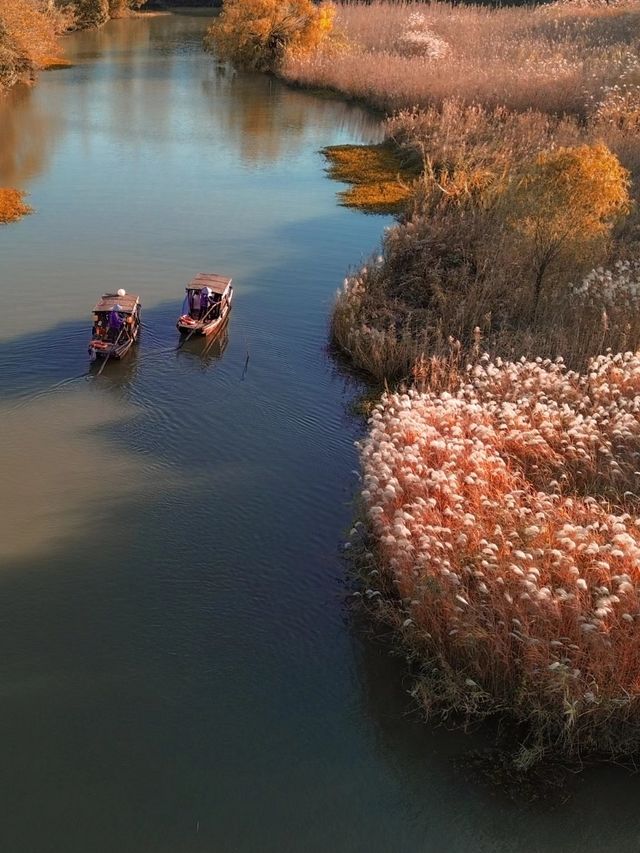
269,121
27,136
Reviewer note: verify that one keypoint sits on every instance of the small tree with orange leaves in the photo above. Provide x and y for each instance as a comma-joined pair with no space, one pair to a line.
566,205
255,34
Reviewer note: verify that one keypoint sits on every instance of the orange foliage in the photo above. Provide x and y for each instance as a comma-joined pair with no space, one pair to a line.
28,38
568,202
256,34
12,205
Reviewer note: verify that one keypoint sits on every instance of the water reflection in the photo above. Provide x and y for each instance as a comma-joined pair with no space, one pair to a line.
110,44
202,352
28,132
135,81
270,122
118,375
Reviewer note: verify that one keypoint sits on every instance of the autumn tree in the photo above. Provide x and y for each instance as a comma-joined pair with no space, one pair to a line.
95,13
28,38
120,8
89,13
255,34
565,206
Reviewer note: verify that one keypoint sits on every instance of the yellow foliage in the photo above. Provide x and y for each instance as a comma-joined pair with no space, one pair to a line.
582,189
256,34
382,183
27,37
55,63
567,203
12,205
29,32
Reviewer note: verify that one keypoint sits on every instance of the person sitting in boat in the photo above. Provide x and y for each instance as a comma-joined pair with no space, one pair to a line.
116,322
205,302
194,304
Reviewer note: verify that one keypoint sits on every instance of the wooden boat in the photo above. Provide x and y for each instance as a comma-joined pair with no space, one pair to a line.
206,305
116,324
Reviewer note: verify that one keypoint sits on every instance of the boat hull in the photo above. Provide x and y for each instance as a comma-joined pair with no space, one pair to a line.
188,326
102,349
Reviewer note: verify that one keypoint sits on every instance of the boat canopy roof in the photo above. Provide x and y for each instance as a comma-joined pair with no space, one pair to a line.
126,304
216,283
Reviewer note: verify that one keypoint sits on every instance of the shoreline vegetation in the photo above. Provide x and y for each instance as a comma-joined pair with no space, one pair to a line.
499,521
30,41
30,32
381,178
12,205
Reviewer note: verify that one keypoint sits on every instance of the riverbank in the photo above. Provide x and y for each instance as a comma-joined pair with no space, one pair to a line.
505,548
488,545
562,75
381,177
559,57
30,33
31,41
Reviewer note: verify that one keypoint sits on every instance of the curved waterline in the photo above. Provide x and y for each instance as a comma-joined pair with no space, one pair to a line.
179,672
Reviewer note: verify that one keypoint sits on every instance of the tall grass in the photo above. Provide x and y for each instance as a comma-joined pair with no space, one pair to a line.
28,37
500,493
507,546
554,58
456,263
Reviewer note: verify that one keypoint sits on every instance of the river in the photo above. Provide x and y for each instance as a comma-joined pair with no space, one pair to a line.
179,671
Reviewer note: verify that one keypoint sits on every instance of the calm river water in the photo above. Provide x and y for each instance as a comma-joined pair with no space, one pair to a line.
178,670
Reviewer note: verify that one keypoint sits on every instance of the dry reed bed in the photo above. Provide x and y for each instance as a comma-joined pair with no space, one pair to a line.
502,534
381,323
556,58
508,546
457,263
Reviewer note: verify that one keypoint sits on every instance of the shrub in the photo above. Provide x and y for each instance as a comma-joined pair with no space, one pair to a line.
256,34
120,8
509,202
28,37
94,13
507,546
611,290
12,205
89,13
419,40
566,204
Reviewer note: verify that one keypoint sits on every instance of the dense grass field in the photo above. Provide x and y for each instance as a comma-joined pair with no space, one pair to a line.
500,535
